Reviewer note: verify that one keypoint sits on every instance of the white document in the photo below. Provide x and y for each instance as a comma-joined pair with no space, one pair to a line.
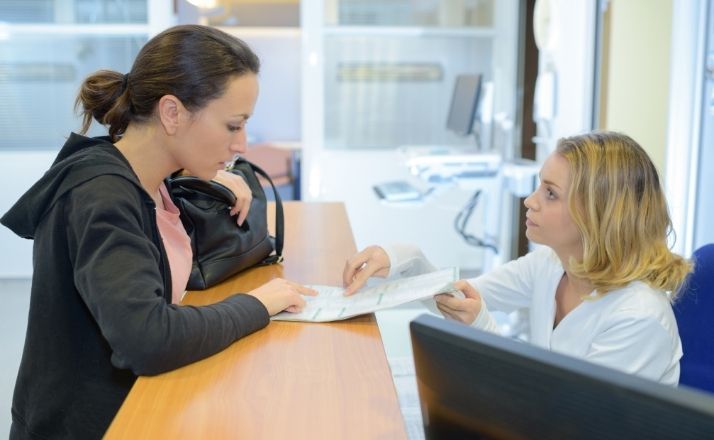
331,305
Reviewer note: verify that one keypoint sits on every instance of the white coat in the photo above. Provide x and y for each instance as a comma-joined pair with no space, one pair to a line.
632,329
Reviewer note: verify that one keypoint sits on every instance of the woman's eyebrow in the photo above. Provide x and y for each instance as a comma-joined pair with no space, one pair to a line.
548,182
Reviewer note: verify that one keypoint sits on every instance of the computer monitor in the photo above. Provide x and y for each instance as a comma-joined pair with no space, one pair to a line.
473,384
464,104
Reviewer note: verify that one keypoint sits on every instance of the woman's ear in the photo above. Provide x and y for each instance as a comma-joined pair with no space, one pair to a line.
170,111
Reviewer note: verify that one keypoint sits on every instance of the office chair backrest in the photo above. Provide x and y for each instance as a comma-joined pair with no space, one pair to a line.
694,310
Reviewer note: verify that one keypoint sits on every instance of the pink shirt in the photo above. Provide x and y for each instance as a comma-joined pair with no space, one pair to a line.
177,244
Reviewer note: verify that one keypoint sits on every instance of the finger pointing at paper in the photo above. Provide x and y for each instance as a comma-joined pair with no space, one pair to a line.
371,261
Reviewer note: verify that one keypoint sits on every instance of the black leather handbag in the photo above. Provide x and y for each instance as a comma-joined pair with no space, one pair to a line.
220,247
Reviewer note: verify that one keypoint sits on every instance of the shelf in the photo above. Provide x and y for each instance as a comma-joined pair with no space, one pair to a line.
262,31
410,31
7,29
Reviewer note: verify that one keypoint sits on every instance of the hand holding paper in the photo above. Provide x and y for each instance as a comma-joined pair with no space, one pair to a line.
330,304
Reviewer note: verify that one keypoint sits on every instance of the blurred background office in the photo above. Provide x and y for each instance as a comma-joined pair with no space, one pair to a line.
358,93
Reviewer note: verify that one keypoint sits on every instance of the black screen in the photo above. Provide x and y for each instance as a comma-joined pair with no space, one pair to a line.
473,384
464,104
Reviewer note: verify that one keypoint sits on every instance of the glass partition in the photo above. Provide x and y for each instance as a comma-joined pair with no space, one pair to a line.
438,13
47,47
74,11
387,90
39,80
390,68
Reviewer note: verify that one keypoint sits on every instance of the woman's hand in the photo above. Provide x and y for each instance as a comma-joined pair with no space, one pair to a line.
279,294
463,310
240,189
372,261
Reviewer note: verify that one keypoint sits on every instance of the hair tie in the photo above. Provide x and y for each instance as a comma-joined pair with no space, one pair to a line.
124,82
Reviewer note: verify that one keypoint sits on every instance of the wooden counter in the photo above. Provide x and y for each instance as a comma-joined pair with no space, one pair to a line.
290,380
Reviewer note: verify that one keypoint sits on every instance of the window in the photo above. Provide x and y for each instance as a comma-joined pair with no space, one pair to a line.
47,47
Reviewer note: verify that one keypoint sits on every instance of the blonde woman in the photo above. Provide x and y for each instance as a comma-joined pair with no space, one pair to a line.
600,288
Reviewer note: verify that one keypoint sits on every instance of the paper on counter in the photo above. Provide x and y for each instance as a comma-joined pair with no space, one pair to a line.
331,305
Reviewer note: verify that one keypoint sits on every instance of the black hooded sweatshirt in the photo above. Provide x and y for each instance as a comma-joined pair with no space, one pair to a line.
100,311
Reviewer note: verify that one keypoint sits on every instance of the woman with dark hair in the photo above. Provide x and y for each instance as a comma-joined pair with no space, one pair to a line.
600,287
111,258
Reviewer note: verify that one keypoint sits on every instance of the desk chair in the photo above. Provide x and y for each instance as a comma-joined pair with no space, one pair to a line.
694,310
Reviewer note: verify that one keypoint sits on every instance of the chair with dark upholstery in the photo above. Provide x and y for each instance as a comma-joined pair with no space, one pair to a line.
694,310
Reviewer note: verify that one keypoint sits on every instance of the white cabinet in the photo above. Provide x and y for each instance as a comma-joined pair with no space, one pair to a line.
377,76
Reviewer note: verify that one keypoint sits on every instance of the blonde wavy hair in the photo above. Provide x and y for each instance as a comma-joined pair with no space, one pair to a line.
617,203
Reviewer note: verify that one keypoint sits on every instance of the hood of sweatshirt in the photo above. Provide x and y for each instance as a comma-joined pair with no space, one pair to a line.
80,159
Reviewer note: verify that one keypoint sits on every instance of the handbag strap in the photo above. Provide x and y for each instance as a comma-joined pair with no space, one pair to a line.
214,190
279,216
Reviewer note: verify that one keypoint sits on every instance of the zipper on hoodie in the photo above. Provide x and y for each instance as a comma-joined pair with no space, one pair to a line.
156,237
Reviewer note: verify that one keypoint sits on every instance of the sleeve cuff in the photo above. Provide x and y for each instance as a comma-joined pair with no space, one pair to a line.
484,320
393,261
252,315
406,260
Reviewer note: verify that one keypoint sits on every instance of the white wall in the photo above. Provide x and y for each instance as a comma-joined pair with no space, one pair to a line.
638,73
277,112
